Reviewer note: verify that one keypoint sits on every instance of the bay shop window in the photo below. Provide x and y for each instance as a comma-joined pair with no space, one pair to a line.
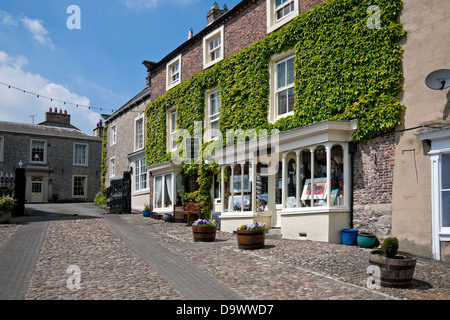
303,181
167,185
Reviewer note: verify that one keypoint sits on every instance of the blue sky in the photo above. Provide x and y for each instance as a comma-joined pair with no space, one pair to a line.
98,65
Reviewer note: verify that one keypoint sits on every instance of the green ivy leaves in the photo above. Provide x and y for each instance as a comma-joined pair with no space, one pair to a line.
343,70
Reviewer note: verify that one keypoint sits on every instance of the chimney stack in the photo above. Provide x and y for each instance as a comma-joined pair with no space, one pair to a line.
191,34
98,132
215,13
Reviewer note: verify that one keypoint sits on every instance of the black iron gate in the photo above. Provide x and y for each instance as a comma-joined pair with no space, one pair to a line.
118,195
15,188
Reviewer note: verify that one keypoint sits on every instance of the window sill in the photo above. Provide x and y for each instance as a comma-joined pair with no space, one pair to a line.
309,210
211,63
141,192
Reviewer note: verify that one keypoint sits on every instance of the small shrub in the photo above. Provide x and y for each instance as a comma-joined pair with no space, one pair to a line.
390,247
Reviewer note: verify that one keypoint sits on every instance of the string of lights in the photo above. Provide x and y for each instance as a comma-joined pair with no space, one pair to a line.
53,99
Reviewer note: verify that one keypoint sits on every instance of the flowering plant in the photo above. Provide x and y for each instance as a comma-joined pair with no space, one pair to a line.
204,223
252,226
6,205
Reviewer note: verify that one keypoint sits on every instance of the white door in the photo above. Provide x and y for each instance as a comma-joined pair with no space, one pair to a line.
36,189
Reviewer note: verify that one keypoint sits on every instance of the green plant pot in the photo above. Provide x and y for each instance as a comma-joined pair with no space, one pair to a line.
366,240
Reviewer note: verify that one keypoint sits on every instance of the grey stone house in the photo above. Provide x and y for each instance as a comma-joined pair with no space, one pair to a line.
60,161
126,147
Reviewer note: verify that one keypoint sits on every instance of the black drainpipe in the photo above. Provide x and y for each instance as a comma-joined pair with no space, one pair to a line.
352,150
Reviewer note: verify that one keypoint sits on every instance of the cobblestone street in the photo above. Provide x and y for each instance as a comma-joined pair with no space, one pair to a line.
113,268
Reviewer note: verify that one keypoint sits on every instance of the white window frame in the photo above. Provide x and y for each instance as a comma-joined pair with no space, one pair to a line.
209,116
86,154
170,82
440,144
139,137
171,132
2,148
218,33
163,187
113,134
440,233
140,175
277,59
85,186
44,161
112,166
273,23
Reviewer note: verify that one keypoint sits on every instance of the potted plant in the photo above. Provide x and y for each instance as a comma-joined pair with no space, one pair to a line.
396,268
204,230
147,211
251,236
366,239
6,209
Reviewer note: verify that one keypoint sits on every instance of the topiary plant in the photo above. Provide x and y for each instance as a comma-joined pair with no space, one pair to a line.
390,247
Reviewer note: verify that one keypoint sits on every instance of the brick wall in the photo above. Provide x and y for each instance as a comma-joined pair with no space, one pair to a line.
373,176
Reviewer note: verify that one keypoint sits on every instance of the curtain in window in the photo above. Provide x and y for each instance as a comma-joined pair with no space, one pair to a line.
80,154
158,192
169,190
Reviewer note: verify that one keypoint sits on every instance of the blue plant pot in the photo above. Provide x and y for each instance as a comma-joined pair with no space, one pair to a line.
366,240
349,236
146,213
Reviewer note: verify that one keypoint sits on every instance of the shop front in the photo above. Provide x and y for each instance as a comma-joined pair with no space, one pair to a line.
297,180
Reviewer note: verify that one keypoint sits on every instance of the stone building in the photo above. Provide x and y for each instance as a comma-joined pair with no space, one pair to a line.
125,139
61,163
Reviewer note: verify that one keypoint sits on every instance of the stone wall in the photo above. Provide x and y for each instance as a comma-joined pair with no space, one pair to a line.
58,171
125,143
373,182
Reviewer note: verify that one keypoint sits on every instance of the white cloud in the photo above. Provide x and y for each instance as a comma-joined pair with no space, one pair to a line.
17,106
6,19
40,34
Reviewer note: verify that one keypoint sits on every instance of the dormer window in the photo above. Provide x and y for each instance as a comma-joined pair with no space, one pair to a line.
213,47
173,71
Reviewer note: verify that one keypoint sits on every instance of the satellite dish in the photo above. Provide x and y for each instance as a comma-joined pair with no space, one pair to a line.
439,79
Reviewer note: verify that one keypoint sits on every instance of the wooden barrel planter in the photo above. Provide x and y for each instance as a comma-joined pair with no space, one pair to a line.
204,234
251,239
394,272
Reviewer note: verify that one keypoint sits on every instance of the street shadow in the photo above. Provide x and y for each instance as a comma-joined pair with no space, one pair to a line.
420,285
34,215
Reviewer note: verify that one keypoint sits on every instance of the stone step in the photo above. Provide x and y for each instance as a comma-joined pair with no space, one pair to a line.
274,233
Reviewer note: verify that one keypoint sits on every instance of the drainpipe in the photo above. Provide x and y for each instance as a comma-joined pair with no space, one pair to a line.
352,150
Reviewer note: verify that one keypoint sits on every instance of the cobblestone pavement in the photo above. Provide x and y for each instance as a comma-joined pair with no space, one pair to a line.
111,269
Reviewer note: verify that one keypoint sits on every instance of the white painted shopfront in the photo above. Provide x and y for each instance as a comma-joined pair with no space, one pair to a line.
269,180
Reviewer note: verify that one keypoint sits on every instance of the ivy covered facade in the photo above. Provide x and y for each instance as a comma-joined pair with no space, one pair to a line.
275,115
